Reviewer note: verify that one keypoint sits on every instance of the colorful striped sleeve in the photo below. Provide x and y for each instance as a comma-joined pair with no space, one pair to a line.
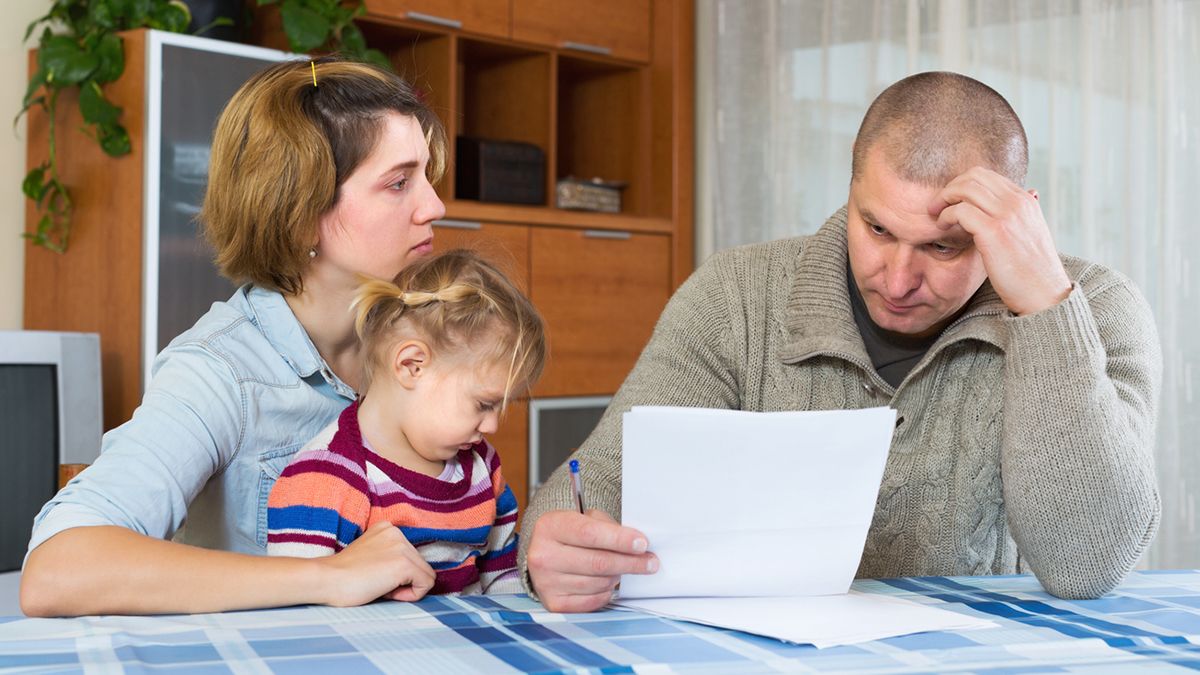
498,564
317,507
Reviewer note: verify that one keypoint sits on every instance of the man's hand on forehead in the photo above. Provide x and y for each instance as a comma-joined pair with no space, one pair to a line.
1010,233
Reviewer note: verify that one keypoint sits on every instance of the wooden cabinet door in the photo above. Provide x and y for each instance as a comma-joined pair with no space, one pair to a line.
511,440
487,17
600,294
505,246
616,27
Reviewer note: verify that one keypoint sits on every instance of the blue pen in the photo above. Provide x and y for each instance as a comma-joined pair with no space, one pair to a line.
576,484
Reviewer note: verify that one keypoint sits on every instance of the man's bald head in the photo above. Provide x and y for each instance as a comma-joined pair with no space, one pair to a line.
933,126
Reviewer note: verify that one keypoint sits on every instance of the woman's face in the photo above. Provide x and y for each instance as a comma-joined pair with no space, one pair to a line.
382,219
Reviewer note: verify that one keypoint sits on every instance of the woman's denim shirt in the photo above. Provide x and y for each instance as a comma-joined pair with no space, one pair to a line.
230,401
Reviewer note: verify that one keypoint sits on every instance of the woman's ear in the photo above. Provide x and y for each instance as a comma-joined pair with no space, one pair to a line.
410,362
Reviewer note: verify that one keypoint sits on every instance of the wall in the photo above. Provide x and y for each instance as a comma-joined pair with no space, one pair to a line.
13,78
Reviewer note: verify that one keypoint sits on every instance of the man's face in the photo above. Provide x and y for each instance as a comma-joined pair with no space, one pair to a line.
914,277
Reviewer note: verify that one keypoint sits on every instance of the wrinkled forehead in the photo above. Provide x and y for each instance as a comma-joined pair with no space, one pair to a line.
880,197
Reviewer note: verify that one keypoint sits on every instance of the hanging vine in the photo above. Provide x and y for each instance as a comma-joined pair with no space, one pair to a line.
79,48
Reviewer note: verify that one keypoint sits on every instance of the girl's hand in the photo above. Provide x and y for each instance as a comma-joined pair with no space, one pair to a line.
379,563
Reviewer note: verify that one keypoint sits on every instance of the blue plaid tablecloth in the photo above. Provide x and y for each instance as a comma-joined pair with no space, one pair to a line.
1150,624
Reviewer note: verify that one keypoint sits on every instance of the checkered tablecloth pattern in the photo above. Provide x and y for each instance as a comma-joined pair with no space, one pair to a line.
1150,624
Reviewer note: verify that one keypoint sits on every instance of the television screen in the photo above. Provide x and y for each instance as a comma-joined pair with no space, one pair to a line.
28,452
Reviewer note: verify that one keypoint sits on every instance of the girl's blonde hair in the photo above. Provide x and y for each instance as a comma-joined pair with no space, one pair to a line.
281,150
455,301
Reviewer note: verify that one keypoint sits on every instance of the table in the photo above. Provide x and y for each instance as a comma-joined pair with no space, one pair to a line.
1151,624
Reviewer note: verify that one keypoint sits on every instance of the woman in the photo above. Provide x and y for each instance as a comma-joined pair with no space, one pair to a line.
320,173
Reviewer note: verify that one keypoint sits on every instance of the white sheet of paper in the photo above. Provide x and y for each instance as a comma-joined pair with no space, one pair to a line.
759,521
743,504
822,621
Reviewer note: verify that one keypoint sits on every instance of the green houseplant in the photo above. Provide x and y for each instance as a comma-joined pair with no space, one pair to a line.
79,47
326,25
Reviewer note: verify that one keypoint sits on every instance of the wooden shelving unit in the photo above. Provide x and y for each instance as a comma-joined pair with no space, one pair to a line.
603,88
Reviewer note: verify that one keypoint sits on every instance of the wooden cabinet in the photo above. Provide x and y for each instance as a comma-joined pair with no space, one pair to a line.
619,28
507,72
486,17
505,246
510,440
600,292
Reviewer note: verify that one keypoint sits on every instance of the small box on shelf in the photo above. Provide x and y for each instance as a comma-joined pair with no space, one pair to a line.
589,195
499,171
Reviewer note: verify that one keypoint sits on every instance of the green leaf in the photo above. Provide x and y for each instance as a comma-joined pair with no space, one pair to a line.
306,29
95,107
173,16
134,12
219,21
35,83
378,58
101,14
64,62
40,100
341,15
32,25
34,185
353,41
114,140
110,54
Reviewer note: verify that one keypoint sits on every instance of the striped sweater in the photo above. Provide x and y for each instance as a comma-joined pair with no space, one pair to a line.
463,522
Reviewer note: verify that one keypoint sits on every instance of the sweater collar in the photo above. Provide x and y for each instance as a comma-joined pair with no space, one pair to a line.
819,319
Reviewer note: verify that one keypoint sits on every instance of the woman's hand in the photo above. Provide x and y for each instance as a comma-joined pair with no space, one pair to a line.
379,563
575,561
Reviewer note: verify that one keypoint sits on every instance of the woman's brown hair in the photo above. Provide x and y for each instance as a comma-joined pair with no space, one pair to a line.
281,149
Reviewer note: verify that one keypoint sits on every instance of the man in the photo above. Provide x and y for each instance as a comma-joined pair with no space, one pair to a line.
1026,382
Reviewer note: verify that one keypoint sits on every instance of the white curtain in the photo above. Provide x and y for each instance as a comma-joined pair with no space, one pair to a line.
1109,91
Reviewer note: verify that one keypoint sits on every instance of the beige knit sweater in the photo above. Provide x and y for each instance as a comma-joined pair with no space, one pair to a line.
1023,443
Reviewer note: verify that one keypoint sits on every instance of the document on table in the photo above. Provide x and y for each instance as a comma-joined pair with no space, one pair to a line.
759,521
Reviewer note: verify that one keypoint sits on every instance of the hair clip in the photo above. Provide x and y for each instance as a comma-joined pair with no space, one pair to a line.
314,71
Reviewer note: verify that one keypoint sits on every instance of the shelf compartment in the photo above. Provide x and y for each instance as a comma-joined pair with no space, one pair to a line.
602,129
423,59
503,94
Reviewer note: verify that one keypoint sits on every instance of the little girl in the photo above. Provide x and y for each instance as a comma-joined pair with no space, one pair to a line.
447,345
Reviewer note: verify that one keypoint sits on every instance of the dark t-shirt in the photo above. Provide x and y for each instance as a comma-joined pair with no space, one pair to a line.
892,354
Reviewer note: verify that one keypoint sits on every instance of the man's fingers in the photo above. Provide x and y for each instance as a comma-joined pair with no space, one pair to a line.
964,215
577,603
579,584
591,532
601,563
967,188
602,515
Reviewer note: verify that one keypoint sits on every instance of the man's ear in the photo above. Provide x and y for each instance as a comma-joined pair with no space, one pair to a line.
410,362
1034,194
